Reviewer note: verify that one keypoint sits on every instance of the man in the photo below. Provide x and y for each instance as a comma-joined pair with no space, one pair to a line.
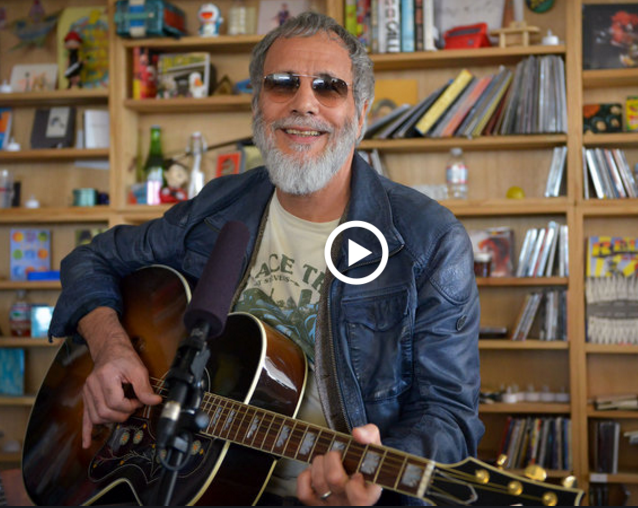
395,359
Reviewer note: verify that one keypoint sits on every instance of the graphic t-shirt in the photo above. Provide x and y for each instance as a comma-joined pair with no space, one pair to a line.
283,290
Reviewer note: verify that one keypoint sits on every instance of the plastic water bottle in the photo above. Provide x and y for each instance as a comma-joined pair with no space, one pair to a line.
456,175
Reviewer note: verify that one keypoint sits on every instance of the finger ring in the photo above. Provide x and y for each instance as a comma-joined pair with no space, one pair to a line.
325,496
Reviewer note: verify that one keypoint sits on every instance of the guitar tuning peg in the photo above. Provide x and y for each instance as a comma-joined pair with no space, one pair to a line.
569,482
535,472
501,460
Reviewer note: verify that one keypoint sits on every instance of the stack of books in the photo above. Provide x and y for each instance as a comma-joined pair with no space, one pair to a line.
529,101
606,441
608,173
545,252
534,440
552,305
623,402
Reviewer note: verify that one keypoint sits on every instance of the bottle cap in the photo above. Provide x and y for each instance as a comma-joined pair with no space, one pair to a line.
550,39
456,151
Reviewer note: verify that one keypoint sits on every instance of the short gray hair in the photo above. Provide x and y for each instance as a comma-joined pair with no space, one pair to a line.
308,24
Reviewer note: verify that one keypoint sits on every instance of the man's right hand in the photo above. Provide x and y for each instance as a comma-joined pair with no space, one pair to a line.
115,364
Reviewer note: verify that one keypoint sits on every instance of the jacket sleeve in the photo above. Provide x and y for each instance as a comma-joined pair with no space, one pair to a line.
439,418
90,274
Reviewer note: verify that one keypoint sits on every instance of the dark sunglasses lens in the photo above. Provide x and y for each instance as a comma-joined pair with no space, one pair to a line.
281,86
330,91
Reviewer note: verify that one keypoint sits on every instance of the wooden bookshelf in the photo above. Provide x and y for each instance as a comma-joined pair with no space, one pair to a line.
529,344
215,104
74,96
525,408
520,281
27,400
30,285
28,342
55,215
54,154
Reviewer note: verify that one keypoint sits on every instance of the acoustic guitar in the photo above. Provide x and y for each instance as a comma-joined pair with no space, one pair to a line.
255,381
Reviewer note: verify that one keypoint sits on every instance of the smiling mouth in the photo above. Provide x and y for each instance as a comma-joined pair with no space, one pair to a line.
297,132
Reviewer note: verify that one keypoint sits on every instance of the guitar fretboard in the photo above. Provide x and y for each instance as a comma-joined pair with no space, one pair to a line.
294,439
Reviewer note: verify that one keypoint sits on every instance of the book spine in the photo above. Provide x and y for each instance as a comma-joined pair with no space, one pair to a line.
350,16
407,26
374,26
418,25
445,101
429,36
391,26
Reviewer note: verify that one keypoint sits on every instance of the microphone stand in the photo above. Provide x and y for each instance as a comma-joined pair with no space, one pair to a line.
181,417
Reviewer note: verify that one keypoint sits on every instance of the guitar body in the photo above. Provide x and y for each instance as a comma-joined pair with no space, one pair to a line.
249,363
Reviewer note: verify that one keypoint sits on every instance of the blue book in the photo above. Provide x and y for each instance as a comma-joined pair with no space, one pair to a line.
11,371
407,26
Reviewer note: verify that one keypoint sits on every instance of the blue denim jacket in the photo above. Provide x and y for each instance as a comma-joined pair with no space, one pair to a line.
400,351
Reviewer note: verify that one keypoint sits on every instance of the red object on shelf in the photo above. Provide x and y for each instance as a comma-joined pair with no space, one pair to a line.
467,36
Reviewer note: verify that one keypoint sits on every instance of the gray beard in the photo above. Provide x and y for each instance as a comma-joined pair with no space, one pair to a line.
302,175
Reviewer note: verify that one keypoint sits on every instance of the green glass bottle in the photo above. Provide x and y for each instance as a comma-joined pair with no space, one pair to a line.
154,167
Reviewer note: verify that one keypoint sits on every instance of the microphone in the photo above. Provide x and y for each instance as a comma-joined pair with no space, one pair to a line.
205,318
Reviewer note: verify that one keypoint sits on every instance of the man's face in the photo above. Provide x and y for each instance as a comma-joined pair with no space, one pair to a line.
309,138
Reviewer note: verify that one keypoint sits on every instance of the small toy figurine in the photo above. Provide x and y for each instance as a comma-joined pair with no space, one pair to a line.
72,43
176,177
210,18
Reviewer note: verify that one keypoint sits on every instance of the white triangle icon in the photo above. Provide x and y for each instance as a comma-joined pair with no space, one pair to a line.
356,252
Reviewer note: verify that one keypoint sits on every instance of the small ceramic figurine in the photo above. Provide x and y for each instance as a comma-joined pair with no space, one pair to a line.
176,177
72,43
210,18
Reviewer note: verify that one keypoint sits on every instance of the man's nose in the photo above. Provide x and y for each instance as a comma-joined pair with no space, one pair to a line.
305,101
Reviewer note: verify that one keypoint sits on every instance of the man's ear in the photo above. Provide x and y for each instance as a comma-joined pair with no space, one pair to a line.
364,113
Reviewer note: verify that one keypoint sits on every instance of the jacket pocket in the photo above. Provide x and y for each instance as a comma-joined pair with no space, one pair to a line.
378,328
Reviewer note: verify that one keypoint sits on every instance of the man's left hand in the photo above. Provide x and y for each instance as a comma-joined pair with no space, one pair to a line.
325,482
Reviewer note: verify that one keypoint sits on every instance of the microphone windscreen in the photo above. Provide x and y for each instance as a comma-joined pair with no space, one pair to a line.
216,287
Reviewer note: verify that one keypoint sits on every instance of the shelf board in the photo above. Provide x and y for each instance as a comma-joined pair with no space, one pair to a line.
608,207
613,349
520,281
55,97
30,285
142,213
28,342
214,104
613,478
24,400
10,457
481,143
487,207
608,78
460,57
613,139
525,407
69,214
222,43
54,154
501,344
612,414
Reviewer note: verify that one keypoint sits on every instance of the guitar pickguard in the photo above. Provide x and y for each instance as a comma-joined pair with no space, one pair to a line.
132,445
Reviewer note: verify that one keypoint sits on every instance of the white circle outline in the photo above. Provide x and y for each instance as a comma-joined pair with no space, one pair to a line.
328,248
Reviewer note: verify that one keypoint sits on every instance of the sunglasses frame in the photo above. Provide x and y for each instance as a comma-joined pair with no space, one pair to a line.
289,94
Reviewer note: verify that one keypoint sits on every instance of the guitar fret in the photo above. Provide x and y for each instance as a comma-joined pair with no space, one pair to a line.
218,416
282,428
253,428
266,433
230,418
244,411
302,440
380,466
288,439
396,483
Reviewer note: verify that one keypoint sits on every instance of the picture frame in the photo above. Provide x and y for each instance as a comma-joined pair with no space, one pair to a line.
33,77
228,164
53,128
273,13
608,34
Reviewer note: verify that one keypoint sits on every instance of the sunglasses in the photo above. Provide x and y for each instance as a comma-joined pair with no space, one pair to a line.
282,86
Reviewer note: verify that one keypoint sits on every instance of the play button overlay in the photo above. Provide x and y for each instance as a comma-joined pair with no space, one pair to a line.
356,252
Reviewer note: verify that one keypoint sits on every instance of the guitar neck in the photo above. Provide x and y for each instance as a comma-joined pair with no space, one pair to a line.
294,439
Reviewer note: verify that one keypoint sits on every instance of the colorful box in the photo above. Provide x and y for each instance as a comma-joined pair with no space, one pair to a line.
149,18
30,252
11,371
631,113
602,118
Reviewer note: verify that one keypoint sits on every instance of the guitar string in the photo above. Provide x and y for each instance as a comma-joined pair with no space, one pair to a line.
392,463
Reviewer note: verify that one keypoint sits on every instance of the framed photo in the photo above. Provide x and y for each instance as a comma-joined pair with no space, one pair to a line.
53,128
610,33
33,77
273,13
228,164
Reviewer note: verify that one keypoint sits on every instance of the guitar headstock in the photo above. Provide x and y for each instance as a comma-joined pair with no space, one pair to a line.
472,482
